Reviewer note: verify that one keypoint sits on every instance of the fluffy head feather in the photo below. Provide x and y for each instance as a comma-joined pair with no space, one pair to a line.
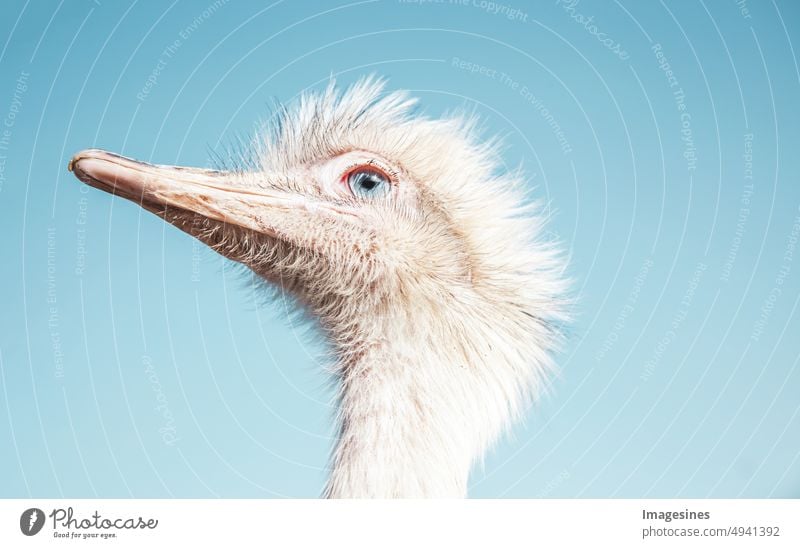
459,299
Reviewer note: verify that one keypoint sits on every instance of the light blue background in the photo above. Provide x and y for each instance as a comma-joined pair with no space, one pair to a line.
713,411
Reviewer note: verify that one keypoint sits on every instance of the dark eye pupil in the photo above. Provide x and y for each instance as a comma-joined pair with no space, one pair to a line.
369,183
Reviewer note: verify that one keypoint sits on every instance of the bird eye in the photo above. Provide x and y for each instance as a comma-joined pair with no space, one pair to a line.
368,183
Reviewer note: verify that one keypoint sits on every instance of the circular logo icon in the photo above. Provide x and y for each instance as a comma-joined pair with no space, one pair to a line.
31,521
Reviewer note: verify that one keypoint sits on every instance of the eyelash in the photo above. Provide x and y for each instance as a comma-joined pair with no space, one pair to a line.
372,166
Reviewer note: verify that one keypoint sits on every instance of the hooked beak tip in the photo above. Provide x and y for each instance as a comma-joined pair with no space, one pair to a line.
86,154
74,160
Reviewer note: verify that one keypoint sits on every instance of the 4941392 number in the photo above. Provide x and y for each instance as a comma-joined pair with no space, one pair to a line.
754,531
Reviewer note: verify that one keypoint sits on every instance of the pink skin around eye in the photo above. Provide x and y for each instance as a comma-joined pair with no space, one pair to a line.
364,167
332,175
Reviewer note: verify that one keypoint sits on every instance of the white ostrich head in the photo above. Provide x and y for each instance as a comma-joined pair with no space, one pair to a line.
414,249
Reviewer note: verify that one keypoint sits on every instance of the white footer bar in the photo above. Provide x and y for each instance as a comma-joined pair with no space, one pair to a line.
354,523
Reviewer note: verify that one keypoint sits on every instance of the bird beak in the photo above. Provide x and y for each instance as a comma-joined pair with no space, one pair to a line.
215,195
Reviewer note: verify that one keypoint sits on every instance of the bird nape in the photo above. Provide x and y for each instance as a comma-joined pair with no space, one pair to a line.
421,259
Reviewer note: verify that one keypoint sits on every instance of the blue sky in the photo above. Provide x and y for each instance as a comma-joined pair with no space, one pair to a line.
135,362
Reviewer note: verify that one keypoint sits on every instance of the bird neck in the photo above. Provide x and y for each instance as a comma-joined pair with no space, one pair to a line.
423,392
396,439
